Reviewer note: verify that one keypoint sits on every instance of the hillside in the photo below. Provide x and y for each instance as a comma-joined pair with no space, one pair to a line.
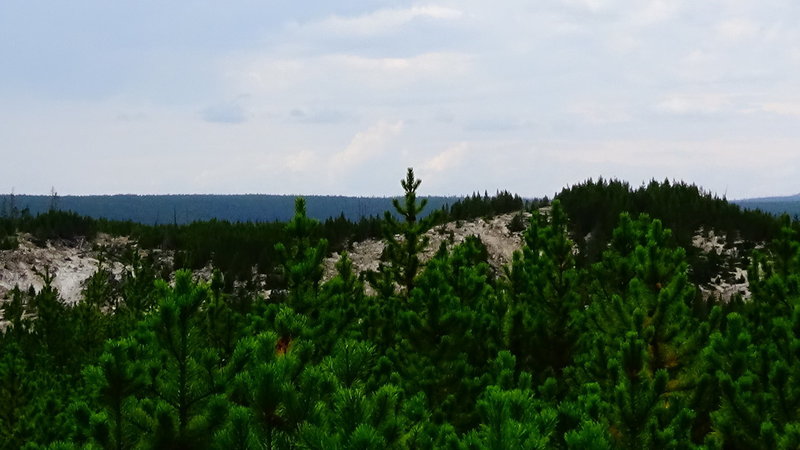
184,209
611,317
774,205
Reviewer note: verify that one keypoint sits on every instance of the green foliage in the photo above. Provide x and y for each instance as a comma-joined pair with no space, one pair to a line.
579,342
543,296
511,419
301,263
453,308
755,359
405,240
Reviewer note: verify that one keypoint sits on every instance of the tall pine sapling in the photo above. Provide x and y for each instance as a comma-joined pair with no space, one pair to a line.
405,239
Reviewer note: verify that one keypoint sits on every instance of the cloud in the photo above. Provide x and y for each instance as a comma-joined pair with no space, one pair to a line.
300,161
735,30
426,64
593,6
506,83
655,11
131,116
333,74
450,158
226,113
366,145
382,21
601,113
318,116
782,108
494,124
679,155
694,104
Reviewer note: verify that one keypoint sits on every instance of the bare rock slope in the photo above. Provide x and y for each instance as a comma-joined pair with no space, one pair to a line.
72,264
494,232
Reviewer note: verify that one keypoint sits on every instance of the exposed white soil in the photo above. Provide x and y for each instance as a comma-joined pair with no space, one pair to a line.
72,264
494,233
725,286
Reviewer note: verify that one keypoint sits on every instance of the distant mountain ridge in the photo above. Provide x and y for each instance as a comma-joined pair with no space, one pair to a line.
789,204
182,209
784,198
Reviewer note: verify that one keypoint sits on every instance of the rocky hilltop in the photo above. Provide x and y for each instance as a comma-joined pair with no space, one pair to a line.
73,262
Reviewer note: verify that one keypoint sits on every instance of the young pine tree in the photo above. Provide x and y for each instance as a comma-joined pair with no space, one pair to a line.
544,296
405,239
301,260
184,406
642,293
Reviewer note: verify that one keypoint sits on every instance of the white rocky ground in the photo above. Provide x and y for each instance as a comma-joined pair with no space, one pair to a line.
723,287
72,264
500,243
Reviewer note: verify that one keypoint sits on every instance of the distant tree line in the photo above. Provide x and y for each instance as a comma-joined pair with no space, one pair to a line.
184,209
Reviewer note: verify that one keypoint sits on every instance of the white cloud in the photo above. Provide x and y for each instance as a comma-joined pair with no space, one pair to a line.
260,74
679,155
735,30
382,21
300,161
230,113
694,104
504,82
414,67
655,11
782,108
591,5
606,112
366,145
450,158
623,43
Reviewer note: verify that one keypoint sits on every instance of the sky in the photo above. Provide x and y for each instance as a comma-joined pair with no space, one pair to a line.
339,97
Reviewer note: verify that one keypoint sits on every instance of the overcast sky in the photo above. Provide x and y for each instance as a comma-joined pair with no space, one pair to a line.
339,97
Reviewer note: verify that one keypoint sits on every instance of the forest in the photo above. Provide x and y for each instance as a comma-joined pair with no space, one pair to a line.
595,336
184,209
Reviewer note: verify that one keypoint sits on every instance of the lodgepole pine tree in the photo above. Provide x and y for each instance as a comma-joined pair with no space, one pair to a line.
301,260
274,390
355,416
342,304
16,394
511,414
114,381
402,253
544,296
184,407
642,293
447,331
400,264
755,357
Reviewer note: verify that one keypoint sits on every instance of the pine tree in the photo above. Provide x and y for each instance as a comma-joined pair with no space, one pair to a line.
755,357
543,296
406,240
115,381
301,261
342,305
185,407
277,391
642,292
448,330
511,414
15,398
